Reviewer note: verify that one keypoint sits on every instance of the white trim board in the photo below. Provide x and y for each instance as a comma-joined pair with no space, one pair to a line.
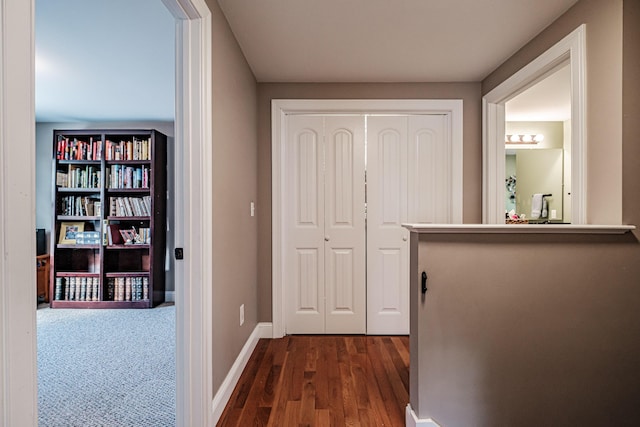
193,175
18,356
280,108
18,380
412,420
572,48
262,330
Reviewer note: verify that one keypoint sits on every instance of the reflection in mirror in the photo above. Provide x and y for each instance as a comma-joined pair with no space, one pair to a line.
538,152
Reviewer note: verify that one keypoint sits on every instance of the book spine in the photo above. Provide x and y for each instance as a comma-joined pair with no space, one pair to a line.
57,294
83,289
145,288
111,286
127,289
67,289
96,289
72,288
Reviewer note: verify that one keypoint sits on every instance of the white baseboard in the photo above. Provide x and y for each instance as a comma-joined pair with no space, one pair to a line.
170,296
220,400
412,420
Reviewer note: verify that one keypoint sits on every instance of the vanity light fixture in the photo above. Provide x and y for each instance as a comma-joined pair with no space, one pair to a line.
523,138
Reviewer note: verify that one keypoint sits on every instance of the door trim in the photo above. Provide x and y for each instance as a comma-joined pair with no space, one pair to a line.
18,375
193,213
572,48
281,108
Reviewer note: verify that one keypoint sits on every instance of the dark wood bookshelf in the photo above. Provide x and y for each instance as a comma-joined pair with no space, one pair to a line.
86,274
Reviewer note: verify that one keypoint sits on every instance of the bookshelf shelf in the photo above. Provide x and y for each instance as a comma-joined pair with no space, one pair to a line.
127,274
128,218
77,247
127,162
79,162
127,247
76,273
77,218
109,188
128,190
77,190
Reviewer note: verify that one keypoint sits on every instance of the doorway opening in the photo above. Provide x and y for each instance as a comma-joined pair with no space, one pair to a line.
571,50
193,138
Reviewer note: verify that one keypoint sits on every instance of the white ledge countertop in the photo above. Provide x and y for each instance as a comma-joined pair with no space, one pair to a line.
518,228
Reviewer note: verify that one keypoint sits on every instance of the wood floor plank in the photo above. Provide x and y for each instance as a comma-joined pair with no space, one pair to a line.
329,380
323,418
322,374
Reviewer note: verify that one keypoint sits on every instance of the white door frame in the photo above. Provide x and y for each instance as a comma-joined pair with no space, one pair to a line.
18,375
572,48
280,108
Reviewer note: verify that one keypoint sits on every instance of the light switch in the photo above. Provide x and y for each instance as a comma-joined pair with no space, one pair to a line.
253,209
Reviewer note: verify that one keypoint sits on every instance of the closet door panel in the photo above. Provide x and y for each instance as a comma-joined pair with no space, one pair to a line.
304,231
345,255
387,245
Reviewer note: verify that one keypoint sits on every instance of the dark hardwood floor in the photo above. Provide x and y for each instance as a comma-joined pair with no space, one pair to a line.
323,380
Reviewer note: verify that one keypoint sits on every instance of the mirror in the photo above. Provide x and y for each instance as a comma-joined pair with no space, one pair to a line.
533,172
538,151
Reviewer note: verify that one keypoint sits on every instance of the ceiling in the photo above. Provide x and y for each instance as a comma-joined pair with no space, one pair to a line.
104,60
547,101
112,60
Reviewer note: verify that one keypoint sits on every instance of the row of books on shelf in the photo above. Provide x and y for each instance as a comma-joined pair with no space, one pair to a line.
128,288
130,206
122,176
75,149
79,177
73,288
126,236
135,149
80,206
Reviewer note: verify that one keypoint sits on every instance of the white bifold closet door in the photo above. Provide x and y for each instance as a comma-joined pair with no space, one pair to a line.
334,281
407,165
324,252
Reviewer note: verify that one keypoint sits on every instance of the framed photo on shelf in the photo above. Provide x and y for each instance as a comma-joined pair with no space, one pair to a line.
68,232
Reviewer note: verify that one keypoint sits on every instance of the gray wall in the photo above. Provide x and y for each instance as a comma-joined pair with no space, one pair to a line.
533,330
234,231
603,19
540,329
44,165
472,147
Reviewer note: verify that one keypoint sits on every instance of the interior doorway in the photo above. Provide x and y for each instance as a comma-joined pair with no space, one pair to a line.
572,50
322,274
193,136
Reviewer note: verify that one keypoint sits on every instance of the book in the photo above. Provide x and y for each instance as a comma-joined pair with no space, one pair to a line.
127,289
67,288
83,289
57,293
72,288
96,289
115,238
111,288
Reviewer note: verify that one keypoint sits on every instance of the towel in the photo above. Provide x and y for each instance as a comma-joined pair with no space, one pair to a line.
545,211
536,205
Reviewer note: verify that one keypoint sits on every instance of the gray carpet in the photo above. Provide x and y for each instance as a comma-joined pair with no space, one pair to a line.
106,367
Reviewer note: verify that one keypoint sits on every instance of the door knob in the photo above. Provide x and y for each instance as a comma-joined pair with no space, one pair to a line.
326,238
404,238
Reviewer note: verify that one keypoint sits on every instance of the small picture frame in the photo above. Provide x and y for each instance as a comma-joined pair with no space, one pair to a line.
68,232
